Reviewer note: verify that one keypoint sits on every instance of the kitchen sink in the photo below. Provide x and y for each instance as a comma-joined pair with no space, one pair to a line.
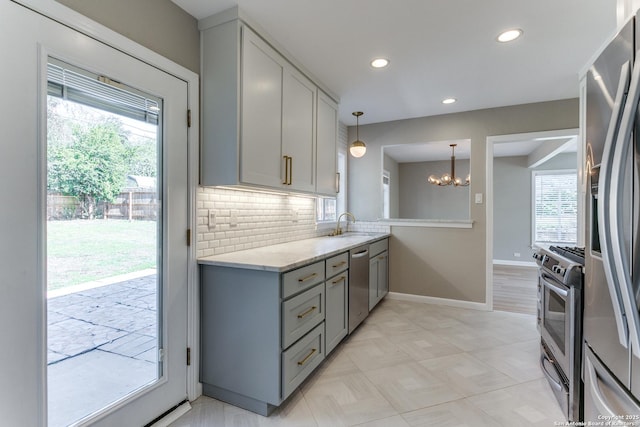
352,234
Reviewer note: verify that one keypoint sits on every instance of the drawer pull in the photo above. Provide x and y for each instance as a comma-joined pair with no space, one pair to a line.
306,358
306,313
338,280
309,277
381,257
340,264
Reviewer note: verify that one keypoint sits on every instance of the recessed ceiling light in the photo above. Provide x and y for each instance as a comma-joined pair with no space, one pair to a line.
449,100
509,35
379,63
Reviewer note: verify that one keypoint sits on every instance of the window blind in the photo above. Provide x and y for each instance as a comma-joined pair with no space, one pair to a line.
65,81
555,207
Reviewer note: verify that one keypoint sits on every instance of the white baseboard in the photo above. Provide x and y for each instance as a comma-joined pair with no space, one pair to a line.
438,301
514,263
173,415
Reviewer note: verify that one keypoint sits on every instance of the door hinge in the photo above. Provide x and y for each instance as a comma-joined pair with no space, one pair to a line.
188,118
188,237
188,356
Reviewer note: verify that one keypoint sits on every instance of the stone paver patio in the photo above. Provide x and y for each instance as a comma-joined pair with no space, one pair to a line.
102,345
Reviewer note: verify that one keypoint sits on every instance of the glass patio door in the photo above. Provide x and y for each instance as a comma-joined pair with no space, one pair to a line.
116,218
104,242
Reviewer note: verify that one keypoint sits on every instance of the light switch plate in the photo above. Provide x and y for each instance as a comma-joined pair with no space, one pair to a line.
294,215
478,198
234,218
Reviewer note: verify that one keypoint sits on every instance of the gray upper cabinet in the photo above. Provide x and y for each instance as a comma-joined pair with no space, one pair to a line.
298,130
261,116
327,136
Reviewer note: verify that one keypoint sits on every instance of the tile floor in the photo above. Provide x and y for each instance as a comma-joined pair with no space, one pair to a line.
413,364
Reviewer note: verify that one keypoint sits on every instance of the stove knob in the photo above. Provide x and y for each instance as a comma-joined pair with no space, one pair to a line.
558,269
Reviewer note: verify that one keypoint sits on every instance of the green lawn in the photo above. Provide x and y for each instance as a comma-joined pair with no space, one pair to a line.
81,251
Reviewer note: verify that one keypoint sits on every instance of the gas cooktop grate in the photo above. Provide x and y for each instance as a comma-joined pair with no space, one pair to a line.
573,253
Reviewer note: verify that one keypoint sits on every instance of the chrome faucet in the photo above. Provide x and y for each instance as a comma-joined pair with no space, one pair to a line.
338,230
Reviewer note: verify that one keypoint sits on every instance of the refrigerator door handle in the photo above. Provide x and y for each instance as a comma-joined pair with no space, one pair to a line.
598,399
604,199
619,255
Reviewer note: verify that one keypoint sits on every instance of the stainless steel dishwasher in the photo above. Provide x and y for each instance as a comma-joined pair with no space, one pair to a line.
358,286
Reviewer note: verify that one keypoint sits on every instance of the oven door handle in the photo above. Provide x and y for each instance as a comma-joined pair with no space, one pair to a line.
557,289
553,382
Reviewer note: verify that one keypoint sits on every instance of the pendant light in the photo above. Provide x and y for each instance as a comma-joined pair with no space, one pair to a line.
357,147
450,178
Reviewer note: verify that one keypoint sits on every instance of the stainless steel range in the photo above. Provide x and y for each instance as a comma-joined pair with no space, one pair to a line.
560,280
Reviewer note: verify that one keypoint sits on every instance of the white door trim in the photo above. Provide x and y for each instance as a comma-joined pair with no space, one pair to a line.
82,24
496,139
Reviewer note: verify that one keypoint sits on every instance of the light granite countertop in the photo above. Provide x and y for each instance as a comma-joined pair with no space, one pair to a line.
287,256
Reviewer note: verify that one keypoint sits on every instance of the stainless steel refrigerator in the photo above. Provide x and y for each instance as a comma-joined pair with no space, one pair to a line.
611,325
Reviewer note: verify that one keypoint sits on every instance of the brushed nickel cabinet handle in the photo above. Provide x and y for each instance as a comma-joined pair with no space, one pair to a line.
337,182
307,312
306,358
309,277
290,170
338,280
340,264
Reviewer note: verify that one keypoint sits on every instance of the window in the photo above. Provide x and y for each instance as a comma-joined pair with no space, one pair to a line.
327,208
555,207
386,181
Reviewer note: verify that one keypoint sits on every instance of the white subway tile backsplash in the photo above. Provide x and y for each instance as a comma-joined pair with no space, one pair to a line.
263,219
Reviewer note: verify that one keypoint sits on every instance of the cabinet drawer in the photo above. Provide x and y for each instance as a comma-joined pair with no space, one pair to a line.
301,359
303,278
337,264
301,313
376,247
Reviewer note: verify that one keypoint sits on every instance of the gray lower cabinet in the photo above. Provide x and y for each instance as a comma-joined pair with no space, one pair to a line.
378,272
336,296
262,332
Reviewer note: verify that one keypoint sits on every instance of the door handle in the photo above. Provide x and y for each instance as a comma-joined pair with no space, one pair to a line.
557,289
596,394
554,383
618,254
360,254
604,189
286,170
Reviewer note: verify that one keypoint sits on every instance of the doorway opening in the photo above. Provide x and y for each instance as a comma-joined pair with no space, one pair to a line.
523,209
104,242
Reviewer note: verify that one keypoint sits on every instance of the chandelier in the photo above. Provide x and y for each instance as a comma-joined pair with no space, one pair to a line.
450,178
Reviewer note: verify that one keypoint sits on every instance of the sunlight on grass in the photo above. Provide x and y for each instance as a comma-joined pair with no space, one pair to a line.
80,251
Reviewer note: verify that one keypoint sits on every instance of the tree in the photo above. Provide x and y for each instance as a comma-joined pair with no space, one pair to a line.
92,166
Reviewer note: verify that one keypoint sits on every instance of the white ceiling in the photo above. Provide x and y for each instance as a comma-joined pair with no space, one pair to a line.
441,150
437,49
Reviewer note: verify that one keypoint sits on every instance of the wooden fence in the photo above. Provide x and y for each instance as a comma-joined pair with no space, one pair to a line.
129,205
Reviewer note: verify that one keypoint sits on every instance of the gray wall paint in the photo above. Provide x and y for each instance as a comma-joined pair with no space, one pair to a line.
159,25
416,264
512,203
419,199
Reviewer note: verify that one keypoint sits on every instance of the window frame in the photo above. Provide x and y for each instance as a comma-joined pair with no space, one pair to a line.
534,174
